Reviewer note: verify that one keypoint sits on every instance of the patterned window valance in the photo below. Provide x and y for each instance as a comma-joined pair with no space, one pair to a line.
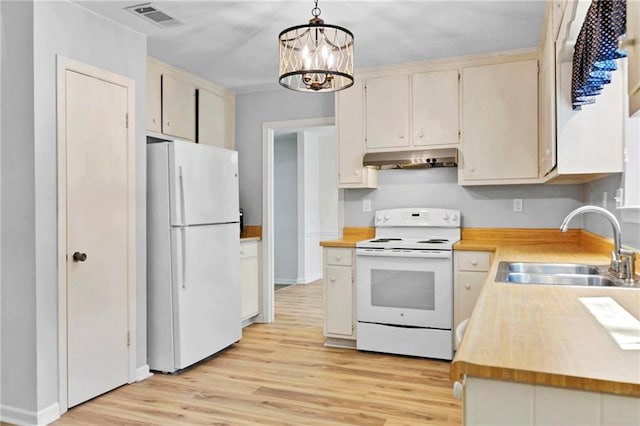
596,50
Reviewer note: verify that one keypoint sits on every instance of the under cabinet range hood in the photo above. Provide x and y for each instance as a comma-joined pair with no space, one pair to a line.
423,158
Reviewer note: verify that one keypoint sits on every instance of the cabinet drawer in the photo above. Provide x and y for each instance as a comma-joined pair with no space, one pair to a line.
338,256
474,261
248,249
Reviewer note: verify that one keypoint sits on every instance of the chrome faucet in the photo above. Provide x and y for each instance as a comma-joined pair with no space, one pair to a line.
622,260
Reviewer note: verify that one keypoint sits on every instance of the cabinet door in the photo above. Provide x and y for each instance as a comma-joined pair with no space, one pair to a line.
387,116
249,279
500,121
154,97
547,105
350,126
467,292
435,108
633,33
214,120
338,301
178,108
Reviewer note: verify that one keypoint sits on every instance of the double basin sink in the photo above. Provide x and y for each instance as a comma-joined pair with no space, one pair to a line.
557,274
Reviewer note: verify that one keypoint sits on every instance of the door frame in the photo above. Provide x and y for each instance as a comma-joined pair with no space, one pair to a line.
63,65
267,309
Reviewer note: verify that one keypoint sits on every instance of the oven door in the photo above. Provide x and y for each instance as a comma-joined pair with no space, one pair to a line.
406,291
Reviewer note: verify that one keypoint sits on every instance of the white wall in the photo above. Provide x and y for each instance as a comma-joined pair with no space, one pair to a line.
29,202
285,209
18,333
545,206
318,199
596,223
253,109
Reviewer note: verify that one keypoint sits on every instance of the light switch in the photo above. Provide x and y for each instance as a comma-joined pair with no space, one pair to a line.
366,205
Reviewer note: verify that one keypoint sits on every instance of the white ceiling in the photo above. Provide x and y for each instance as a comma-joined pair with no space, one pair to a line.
234,43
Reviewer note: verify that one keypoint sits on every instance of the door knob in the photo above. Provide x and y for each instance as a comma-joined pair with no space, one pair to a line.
79,257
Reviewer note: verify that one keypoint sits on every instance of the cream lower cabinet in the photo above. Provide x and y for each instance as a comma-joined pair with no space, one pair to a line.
499,141
470,274
497,402
339,297
249,278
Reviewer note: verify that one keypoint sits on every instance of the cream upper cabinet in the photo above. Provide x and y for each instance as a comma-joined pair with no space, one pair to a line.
188,107
633,50
387,112
412,111
215,120
349,107
154,97
546,92
178,107
499,124
435,108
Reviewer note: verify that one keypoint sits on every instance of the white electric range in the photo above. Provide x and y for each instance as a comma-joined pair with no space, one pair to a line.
405,283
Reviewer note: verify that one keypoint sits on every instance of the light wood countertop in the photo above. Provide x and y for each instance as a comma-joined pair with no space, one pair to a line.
351,235
543,334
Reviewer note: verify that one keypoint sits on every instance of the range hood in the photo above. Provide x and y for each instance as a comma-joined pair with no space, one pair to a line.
423,158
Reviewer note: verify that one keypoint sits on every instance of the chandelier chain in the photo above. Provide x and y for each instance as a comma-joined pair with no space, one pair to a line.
316,10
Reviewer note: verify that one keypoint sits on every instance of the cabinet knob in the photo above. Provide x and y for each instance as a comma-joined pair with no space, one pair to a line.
472,169
547,151
153,119
168,124
421,134
401,135
332,279
338,258
467,286
355,172
241,252
474,262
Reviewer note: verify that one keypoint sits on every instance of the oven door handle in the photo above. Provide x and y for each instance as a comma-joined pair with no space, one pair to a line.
428,254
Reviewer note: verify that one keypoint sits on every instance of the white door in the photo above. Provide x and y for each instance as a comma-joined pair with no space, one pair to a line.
206,290
97,223
203,184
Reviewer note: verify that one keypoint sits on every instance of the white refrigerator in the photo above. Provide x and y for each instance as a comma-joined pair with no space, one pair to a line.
193,246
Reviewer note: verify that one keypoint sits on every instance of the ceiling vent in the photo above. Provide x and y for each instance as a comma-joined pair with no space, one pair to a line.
151,13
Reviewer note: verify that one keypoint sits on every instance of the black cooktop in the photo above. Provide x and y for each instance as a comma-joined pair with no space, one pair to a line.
385,240
433,241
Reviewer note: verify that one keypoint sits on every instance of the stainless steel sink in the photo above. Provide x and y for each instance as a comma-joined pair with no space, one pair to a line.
557,274
553,268
559,279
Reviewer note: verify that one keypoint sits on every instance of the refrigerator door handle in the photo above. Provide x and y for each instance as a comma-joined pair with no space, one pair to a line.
183,237
183,207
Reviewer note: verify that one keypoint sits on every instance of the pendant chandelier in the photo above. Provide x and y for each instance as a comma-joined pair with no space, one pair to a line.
316,57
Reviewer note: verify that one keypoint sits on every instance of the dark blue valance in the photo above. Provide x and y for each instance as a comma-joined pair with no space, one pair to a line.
596,50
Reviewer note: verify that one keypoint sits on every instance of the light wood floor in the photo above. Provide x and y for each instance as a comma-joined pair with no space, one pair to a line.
281,373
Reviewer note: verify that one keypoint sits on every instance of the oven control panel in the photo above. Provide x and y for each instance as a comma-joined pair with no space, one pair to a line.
432,217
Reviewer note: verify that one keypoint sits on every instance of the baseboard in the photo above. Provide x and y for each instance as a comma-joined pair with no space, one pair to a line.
309,280
288,281
22,417
143,373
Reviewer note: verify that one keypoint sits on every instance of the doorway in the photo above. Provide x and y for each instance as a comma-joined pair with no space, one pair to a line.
96,227
310,223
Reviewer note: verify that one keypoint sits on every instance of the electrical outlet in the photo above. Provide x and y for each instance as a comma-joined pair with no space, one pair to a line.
366,205
604,199
518,205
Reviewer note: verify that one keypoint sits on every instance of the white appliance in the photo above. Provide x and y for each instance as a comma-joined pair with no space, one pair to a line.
193,248
405,283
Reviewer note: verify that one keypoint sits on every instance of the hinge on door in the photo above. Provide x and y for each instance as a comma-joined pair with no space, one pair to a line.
128,338
458,75
126,120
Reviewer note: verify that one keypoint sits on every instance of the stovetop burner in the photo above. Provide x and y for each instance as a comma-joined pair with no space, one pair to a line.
434,241
385,240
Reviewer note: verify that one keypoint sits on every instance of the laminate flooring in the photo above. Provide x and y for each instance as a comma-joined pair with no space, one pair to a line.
281,374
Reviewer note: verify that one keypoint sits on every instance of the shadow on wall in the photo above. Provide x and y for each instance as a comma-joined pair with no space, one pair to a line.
544,206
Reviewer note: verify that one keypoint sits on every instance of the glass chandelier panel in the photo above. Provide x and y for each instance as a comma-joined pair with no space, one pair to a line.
317,57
